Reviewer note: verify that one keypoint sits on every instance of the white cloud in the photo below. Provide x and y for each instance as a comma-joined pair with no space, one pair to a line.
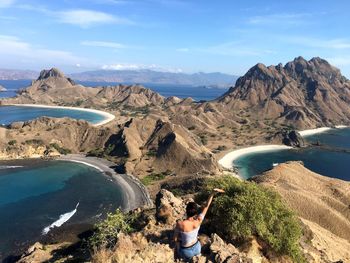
277,19
6,3
80,17
87,18
122,66
319,43
104,44
14,50
234,49
339,61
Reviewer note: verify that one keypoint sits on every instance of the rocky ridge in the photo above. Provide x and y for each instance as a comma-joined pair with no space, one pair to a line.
301,93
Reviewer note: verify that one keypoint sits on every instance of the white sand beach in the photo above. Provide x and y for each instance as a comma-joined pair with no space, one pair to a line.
108,116
320,130
227,160
314,131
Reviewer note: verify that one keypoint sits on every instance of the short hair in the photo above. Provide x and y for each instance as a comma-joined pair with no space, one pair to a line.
191,209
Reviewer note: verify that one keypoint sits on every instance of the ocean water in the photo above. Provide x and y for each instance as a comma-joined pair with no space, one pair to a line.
9,114
12,86
325,162
37,195
167,90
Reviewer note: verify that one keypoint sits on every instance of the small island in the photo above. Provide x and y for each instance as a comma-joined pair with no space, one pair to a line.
2,89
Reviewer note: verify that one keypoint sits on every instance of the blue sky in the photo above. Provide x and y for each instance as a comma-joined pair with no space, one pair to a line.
171,35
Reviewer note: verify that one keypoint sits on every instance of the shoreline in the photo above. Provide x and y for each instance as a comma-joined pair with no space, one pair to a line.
227,161
135,194
108,117
321,130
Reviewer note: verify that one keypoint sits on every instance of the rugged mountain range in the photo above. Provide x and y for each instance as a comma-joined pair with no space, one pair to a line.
215,79
53,88
301,93
149,76
14,74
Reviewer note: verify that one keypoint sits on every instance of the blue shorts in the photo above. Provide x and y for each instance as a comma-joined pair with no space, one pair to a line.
189,252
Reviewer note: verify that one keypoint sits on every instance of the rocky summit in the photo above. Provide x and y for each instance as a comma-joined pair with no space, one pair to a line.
303,93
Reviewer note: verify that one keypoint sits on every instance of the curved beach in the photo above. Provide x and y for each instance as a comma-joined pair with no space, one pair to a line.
134,193
227,160
320,130
107,116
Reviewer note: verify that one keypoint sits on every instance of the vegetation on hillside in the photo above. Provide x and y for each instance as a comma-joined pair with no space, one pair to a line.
106,232
248,209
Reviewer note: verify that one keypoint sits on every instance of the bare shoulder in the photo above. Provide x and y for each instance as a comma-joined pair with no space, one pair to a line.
180,224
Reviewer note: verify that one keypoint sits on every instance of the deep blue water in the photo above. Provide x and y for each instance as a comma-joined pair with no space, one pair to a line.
9,114
329,163
167,90
34,196
12,86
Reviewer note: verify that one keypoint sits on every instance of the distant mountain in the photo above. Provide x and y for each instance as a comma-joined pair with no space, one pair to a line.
215,79
14,74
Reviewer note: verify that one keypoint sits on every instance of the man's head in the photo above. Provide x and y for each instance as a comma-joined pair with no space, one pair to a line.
191,209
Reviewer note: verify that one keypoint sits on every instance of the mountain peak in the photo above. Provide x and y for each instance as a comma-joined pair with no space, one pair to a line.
53,72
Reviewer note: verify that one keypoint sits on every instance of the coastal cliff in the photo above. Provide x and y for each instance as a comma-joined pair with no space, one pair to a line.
153,243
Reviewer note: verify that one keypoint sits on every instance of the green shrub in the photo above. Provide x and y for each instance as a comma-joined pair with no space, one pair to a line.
12,142
149,179
106,232
60,149
248,209
35,142
98,152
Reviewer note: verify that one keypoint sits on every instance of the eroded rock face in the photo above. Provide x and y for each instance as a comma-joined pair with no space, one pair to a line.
291,138
162,146
302,93
168,207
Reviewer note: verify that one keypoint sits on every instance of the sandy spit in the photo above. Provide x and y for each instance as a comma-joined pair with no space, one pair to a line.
107,116
228,159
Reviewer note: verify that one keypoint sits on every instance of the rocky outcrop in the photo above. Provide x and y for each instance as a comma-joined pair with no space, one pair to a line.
302,93
290,138
45,137
160,146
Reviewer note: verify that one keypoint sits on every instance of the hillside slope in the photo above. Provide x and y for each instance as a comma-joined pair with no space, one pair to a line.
302,93
323,203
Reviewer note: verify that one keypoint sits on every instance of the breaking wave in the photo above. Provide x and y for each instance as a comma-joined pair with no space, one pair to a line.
63,219
3,167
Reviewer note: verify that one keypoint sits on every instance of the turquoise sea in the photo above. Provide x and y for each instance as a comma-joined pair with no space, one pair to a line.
35,194
333,163
9,114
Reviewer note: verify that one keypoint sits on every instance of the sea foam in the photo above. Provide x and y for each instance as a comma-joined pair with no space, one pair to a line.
3,167
63,219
